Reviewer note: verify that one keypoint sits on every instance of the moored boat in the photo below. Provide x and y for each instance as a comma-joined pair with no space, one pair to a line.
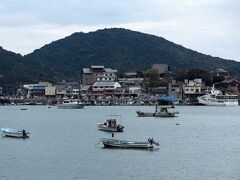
114,143
160,112
70,104
217,98
111,126
16,133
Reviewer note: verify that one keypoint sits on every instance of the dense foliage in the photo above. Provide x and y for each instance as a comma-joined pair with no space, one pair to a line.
14,69
116,48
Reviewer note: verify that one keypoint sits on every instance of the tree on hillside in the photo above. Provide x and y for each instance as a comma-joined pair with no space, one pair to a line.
195,74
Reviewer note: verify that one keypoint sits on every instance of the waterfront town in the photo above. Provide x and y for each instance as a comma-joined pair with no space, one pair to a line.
100,85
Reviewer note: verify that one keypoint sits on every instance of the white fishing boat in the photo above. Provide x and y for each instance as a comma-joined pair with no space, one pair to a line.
111,126
16,133
70,104
217,98
114,143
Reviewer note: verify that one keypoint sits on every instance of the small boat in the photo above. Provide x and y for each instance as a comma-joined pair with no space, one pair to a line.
160,112
16,133
70,104
111,126
23,109
114,143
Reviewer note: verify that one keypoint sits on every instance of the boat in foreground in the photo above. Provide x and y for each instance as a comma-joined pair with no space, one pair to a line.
160,112
16,133
111,126
114,143
71,104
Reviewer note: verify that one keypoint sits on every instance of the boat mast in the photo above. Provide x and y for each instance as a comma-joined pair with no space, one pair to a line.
79,87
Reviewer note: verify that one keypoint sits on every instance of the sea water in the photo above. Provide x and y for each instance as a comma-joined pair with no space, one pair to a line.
202,143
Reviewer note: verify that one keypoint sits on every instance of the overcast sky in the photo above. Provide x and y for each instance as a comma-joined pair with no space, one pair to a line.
208,26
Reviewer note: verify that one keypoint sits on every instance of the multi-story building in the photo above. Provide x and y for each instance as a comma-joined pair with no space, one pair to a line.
220,72
230,86
68,89
97,73
105,86
192,89
39,89
175,89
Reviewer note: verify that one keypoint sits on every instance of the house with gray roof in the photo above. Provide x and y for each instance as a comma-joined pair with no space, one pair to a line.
97,73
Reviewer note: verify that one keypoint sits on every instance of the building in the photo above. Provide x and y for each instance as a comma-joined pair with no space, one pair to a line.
126,82
50,91
230,86
134,91
106,86
192,89
130,79
175,89
97,73
34,90
220,72
67,89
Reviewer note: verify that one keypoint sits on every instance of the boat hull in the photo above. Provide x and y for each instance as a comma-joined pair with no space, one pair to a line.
70,106
14,133
112,143
216,98
158,114
215,103
103,127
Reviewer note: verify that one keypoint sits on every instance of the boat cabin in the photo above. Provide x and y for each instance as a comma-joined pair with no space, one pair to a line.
111,123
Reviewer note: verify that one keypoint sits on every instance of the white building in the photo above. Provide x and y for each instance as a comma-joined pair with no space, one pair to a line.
106,86
192,86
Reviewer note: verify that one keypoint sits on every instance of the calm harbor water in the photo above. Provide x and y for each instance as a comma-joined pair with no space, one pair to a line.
63,144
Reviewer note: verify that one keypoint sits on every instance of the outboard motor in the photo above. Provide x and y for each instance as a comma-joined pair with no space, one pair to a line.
120,127
24,133
151,141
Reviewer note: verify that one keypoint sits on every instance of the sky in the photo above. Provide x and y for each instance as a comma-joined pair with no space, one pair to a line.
207,26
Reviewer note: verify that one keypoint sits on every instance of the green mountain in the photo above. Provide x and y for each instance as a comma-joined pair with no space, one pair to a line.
121,49
15,69
116,48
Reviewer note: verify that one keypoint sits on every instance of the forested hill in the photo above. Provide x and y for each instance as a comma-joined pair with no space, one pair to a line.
121,49
115,48
15,69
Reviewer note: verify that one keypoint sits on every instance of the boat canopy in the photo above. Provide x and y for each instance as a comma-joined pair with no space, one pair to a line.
167,99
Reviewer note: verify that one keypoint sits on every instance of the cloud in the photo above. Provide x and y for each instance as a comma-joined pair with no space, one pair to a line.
208,26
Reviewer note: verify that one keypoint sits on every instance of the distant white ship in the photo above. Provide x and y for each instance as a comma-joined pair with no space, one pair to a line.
70,104
216,98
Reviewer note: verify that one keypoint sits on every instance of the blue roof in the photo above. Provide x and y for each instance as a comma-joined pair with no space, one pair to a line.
168,99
